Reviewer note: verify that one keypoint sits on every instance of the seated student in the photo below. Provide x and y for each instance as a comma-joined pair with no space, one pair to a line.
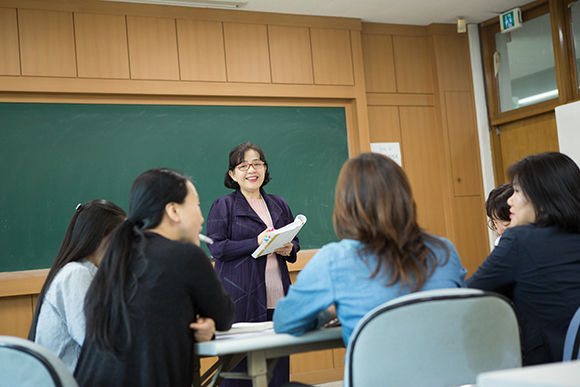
383,253
537,261
497,209
59,321
153,281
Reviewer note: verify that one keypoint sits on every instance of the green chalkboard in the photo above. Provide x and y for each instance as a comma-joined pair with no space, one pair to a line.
54,156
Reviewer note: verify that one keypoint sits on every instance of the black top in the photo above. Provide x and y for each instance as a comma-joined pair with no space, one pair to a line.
539,269
177,284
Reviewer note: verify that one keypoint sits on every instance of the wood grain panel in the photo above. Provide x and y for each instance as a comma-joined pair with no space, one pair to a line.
194,13
529,136
290,54
15,315
453,62
247,57
470,238
47,43
332,57
422,160
10,58
201,50
152,48
463,143
101,42
384,124
379,63
311,361
413,64
398,99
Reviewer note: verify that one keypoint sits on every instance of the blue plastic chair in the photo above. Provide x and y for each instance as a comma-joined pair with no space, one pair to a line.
433,338
572,342
26,364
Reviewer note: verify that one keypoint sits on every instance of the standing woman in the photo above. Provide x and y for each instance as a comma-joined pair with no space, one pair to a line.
537,261
59,321
383,253
153,282
238,223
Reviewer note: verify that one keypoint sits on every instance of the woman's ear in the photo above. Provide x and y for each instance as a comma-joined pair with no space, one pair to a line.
231,173
172,212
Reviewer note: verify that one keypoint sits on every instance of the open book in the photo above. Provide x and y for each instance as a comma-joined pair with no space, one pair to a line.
278,238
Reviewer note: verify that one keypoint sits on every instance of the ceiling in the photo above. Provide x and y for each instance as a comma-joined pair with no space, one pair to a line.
413,12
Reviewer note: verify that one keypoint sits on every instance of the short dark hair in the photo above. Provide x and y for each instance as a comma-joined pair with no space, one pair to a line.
237,156
551,182
496,205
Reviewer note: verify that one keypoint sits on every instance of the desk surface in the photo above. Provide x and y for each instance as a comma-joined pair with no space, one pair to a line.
564,374
270,341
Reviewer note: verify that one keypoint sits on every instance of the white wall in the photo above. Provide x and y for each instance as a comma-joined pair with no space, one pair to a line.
481,114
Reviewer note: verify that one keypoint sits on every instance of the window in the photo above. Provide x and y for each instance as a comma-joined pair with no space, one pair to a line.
527,72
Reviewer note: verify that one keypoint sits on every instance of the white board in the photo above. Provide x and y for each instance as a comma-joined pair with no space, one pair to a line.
568,123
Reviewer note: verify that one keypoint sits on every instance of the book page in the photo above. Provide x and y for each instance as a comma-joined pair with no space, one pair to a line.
278,238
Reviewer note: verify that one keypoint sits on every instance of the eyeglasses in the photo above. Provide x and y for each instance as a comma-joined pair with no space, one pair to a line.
243,167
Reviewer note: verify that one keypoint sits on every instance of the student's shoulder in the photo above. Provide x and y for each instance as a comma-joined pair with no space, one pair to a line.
346,249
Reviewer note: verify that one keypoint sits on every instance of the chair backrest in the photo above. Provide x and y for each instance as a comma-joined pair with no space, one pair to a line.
572,342
433,338
24,363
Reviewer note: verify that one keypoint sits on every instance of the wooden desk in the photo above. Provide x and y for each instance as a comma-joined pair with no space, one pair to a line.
262,351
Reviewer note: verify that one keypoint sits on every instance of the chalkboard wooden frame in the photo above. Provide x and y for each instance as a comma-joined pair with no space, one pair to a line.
53,156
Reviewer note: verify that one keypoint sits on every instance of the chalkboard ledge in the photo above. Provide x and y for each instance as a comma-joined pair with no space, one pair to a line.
20,283
28,282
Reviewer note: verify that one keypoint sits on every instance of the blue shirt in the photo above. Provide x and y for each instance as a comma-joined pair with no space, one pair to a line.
338,275
61,322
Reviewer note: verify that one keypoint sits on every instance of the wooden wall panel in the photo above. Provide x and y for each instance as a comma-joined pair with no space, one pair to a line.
152,48
422,165
470,231
47,45
332,57
15,315
201,50
463,143
384,124
452,60
290,54
413,64
379,63
528,136
10,58
247,57
101,43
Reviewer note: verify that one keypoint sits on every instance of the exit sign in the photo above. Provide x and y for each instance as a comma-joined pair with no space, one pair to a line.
510,20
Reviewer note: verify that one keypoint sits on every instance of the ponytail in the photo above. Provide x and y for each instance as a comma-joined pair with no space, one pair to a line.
108,323
115,284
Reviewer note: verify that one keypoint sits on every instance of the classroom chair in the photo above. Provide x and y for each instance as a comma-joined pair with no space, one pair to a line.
433,338
572,341
27,364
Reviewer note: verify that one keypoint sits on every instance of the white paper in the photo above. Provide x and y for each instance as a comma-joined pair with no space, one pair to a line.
243,329
278,238
390,149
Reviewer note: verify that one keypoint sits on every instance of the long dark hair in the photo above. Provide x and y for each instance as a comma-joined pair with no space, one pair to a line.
106,304
374,205
237,156
551,182
89,225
